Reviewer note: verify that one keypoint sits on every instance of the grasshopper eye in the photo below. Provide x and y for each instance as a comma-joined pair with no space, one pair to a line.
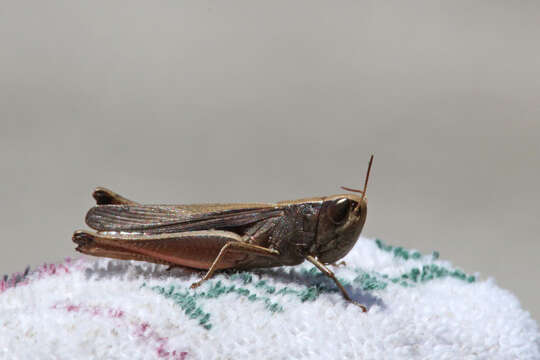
338,211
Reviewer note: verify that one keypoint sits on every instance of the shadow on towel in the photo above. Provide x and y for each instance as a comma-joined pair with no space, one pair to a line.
146,271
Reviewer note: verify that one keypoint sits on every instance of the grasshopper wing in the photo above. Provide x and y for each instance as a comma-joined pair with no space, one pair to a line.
156,219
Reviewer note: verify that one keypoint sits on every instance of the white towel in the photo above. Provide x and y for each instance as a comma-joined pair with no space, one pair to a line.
420,307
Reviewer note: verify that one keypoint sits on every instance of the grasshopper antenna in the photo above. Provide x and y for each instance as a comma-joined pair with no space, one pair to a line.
367,176
363,192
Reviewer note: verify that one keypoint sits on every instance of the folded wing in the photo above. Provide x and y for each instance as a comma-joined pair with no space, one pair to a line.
155,219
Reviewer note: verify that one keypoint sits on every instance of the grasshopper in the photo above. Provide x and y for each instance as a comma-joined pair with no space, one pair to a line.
213,237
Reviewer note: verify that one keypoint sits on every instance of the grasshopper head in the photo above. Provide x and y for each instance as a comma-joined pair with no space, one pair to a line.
341,220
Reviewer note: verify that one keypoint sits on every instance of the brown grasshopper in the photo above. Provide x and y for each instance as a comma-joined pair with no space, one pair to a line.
212,237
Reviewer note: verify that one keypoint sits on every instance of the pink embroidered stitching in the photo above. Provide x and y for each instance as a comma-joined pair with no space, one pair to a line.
43,271
141,330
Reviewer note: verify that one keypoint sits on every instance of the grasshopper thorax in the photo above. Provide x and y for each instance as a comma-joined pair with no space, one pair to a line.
341,220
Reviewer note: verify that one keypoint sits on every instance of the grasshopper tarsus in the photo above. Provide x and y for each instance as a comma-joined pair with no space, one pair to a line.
364,309
196,284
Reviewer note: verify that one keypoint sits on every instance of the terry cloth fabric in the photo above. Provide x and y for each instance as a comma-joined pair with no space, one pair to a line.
420,307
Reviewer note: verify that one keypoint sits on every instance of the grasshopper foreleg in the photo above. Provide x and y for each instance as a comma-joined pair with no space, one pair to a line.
331,275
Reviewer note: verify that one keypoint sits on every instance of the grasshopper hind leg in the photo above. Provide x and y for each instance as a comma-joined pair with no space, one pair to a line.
89,245
205,249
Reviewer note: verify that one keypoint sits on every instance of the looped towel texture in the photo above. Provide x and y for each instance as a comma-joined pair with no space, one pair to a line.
419,307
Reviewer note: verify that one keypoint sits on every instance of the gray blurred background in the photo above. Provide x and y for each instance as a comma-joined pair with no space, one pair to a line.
199,101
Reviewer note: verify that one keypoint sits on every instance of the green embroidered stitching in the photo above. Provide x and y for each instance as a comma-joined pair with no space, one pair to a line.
369,282
309,293
187,300
415,275
217,289
430,272
403,253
